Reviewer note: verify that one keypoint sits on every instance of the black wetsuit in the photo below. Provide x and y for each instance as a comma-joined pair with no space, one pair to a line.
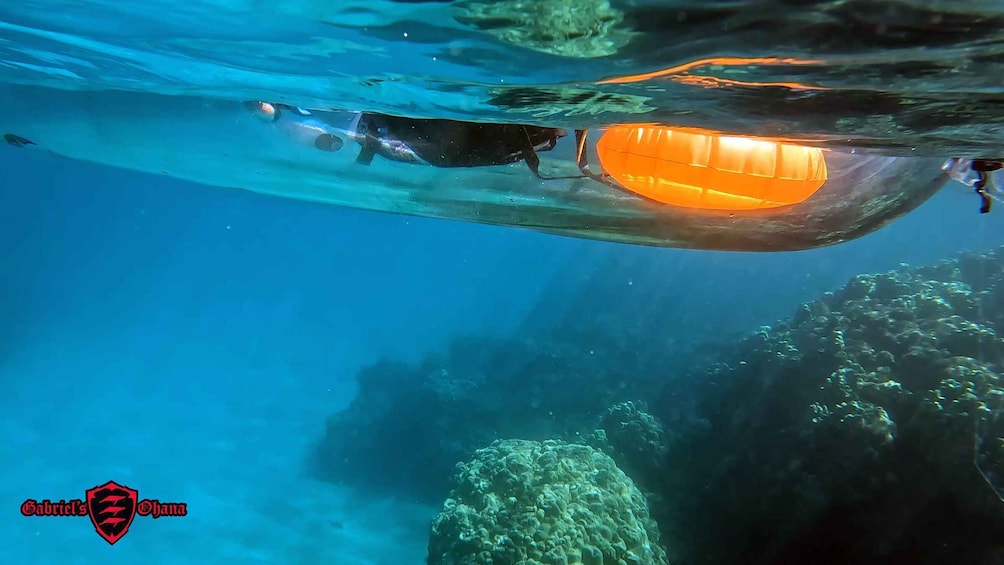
450,143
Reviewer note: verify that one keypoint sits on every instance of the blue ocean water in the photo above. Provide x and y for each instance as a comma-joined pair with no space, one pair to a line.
190,340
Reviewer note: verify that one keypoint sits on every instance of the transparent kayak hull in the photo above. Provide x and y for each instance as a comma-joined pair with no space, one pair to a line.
220,143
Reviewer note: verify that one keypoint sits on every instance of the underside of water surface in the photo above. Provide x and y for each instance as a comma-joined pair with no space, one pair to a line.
908,77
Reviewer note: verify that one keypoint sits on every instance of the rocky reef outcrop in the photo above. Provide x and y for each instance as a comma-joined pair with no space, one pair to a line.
866,429
543,503
635,439
410,424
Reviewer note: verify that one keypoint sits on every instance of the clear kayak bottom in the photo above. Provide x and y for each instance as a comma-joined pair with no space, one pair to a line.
222,143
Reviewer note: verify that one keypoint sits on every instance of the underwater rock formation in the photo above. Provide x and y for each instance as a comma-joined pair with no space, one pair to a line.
865,430
409,425
551,502
868,428
636,441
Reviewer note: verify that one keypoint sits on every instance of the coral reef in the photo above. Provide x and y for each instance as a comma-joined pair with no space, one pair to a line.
863,430
409,425
868,428
635,439
543,503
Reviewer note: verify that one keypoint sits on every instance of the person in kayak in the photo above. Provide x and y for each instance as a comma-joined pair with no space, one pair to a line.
301,125
656,163
982,175
453,143
436,142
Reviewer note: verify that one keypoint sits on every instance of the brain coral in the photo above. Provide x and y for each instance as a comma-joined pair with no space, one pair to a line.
545,502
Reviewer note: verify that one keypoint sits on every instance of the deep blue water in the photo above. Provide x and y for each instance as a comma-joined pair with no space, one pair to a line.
189,342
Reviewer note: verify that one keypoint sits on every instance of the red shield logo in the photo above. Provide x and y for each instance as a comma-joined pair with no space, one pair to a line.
112,508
